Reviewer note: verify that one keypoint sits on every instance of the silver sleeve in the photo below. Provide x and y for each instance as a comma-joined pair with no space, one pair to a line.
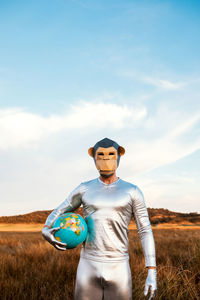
72,202
143,224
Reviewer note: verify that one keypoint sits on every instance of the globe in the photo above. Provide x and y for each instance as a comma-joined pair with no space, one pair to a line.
73,229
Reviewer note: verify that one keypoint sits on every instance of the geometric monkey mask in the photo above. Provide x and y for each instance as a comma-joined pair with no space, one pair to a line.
106,154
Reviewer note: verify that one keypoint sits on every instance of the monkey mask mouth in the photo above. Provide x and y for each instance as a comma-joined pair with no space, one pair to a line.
106,154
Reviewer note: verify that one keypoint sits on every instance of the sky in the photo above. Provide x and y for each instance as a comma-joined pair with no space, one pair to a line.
74,72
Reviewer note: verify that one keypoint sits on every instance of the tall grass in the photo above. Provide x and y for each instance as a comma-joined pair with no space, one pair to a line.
30,268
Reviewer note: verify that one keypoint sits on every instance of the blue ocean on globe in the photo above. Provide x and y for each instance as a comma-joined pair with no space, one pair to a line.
73,229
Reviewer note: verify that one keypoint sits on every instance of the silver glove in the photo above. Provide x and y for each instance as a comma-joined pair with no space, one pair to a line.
48,234
151,281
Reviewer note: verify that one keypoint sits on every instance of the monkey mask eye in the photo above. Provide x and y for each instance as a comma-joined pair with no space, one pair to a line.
100,154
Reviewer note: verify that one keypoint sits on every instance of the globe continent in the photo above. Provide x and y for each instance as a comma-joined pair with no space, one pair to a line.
73,229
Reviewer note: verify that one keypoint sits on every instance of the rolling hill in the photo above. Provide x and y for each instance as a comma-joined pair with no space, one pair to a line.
157,216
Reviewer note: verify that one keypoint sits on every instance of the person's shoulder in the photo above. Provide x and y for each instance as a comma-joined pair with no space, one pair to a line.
128,185
133,189
89,182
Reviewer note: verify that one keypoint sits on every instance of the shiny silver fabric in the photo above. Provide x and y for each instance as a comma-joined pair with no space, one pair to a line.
151,283
103,280
108,209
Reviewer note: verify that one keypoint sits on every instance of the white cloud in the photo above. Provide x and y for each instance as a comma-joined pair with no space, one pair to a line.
185,126
163,83
145,156
170,144
19,128
177,193
152,138
101,115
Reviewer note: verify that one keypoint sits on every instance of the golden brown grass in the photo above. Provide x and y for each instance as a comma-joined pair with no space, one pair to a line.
20,227
30,268
33,227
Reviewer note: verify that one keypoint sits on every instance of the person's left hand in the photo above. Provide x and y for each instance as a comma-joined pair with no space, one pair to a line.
48,234
151,281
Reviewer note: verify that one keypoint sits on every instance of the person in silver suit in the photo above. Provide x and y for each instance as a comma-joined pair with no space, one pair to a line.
108,203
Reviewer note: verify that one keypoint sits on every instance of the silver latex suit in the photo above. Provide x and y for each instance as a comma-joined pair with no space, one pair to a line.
103,271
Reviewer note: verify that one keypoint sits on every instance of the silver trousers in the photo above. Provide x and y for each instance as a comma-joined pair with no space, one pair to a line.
103,280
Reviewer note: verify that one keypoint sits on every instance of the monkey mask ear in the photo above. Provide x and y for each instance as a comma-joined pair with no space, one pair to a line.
121,150
91,151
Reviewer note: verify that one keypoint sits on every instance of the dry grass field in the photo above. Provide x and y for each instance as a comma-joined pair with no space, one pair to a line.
33,227
30,268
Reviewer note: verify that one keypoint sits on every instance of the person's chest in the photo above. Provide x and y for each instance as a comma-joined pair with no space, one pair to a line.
103,199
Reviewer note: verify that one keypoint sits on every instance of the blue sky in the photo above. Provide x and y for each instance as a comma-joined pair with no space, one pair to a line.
73,72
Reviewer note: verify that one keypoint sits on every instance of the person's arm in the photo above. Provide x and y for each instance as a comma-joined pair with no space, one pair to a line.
141,217
72,202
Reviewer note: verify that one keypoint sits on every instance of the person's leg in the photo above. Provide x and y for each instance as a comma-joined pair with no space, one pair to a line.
88,281
117,281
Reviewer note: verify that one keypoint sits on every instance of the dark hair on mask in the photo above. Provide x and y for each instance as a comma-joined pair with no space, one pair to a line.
105,143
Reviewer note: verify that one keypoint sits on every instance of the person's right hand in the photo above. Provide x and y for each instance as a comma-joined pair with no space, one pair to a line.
48,234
